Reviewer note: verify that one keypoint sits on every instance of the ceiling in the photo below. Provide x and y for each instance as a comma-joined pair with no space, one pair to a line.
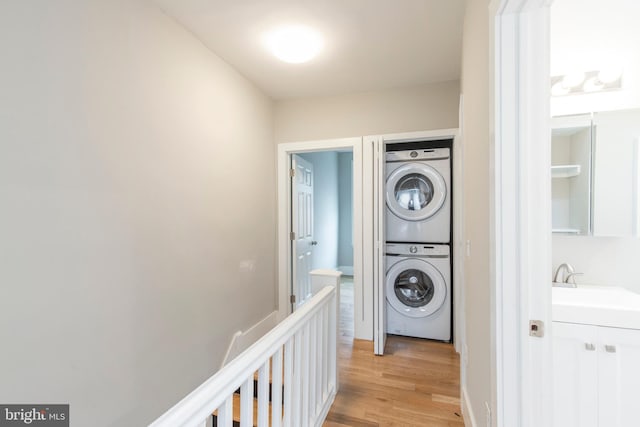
369,44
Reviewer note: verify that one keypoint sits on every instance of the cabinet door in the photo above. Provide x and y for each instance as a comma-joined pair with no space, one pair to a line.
575,364
619,376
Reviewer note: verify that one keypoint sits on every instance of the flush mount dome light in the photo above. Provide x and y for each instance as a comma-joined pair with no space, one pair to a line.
294,44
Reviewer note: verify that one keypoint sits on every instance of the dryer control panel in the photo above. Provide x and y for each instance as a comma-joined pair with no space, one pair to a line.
418,154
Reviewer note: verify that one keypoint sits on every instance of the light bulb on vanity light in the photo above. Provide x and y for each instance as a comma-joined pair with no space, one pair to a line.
573,79
609,75
558,89
593,84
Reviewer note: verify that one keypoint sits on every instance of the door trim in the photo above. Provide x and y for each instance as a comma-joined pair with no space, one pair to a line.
520,211
363,301
375,248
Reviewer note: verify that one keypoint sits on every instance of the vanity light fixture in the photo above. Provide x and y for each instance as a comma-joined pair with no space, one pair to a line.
586,82
294,44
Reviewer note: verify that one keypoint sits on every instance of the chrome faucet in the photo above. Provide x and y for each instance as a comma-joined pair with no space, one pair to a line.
564,278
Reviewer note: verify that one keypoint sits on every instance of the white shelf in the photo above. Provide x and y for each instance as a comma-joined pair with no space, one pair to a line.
565,171
565,230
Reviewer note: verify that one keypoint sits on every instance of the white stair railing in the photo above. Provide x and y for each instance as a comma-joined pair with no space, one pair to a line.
299,355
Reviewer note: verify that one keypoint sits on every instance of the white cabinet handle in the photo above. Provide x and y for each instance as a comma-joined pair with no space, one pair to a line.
589,346
610,348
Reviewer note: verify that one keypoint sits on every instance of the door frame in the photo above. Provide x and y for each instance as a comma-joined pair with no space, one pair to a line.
521,211
362,328
375,272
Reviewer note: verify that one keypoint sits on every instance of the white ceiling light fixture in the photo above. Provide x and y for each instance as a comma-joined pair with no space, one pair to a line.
294,44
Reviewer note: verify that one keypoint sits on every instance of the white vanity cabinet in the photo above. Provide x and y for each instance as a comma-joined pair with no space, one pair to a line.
596,375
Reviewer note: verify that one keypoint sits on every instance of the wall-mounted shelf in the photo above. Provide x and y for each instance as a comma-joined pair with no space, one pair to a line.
565,230
565,171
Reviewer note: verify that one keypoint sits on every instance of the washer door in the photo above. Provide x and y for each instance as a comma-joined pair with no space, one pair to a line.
415,191
415,288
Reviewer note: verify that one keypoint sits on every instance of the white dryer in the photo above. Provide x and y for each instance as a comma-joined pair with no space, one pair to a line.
418,290
418,195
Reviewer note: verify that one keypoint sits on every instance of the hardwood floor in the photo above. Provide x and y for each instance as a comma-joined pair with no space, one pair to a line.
416,382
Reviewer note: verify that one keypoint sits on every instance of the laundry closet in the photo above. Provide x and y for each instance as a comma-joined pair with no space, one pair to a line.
413,235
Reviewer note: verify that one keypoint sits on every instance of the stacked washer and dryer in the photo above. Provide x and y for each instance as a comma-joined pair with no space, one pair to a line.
418,236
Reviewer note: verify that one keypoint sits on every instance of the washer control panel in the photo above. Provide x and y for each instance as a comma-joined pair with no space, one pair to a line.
417,249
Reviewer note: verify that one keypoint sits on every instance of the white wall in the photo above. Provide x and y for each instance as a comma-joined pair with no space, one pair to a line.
477,373
137,209
608,261
345,211
433,106
325,208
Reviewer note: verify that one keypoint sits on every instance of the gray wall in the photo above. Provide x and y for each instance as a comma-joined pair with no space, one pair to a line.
432,106
475,127
325,208
137,208
345,205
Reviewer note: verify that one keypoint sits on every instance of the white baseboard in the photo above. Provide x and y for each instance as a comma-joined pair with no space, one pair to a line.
467,412
243,340
322,416
347,270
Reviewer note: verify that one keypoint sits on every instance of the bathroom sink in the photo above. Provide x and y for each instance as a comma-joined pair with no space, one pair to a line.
597,305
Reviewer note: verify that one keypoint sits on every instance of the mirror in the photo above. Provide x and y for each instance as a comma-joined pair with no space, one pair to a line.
571,174
595,174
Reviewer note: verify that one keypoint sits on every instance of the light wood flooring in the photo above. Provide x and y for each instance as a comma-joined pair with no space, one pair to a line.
416,382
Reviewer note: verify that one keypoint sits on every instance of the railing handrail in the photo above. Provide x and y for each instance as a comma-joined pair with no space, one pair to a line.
202,401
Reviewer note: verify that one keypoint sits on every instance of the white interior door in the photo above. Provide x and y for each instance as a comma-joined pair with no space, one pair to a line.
379,275
301,229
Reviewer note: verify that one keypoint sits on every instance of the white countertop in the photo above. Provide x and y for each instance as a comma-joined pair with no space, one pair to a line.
597,305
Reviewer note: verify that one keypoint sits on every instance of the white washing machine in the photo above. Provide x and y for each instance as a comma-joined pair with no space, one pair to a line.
418,290
418,195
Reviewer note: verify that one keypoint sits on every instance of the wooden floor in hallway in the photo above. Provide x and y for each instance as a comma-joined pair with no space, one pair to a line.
416,382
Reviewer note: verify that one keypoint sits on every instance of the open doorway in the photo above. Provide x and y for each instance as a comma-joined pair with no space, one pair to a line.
322,222
362,306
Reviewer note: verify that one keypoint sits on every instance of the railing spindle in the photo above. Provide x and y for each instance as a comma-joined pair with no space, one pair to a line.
246,403
263,395
288,383
325,345
297,379
320,353
305,376
333,342
225,413
313,351
276,389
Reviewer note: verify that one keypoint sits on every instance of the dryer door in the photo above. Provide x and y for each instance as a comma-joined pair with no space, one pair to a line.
415,288
415,191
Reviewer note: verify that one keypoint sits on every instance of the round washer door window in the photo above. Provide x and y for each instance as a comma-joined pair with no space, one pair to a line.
415,192
415,288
